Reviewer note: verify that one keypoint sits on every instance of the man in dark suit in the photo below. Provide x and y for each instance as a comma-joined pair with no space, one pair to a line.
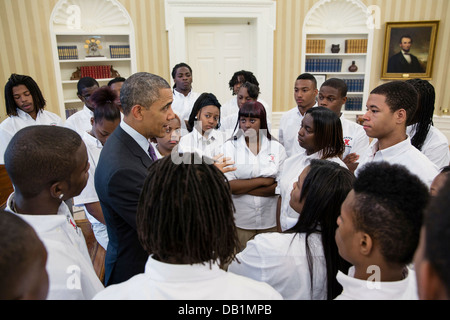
122,168
404,61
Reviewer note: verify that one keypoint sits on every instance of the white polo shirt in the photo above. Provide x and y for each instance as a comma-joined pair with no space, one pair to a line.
288,132
10,126
403,153
164,281
80,121
182,105
209,146
280,260
355,138
356,289
71,273
435,146
253,212
293,167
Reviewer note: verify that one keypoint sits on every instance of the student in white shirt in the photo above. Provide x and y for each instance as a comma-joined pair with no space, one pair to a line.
424,136
247,92
389,108
305,93
25,107
164,146
333,95
258,160
183,95
105,121
320,136
40,192
432,258
378,233
185,222
23,258
80,121
302,262
203,125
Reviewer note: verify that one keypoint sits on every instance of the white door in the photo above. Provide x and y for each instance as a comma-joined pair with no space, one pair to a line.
216,50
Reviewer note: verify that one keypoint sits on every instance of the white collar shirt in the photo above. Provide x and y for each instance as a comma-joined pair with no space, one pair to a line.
280,260
290,124
12,124
80,121
407,56
357,289
163,281
254,212
71,273
435,146
139,138
403,153
182,105
355,138
209,146
292,168
229,108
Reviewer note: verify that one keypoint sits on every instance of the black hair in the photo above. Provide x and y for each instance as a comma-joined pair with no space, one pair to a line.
86,82
405,36
16,80
308,76
337,84
38,156
104,101
117,79
399,95
205,99
186,212
325,188
423,117
437,236
254,109
247,76
389,204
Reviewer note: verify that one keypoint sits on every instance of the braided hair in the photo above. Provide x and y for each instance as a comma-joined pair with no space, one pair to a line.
185,213
423,117
17,80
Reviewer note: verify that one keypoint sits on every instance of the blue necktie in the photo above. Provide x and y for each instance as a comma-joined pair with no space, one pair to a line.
151,152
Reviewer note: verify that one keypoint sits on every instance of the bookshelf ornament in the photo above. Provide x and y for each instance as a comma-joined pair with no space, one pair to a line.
353,67
93,48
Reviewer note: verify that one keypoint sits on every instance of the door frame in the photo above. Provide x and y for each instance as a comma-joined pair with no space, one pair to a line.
263,12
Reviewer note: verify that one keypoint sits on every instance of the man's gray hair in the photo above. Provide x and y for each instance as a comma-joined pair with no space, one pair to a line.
141,88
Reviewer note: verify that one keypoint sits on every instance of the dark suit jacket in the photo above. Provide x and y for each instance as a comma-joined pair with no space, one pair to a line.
398,64
119,177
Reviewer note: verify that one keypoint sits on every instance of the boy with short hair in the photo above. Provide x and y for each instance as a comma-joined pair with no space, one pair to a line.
378,232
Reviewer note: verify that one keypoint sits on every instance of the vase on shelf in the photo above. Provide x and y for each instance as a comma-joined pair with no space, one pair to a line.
335,48
353,67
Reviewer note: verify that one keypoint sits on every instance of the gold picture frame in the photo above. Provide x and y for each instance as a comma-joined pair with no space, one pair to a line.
418,38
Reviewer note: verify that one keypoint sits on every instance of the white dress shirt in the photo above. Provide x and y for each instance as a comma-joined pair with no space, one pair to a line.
80,121
182,105
229,108
280,260
253,212
89,194
355,138
69,267
139,138
292,168
209,146
403,153
435,146
163,281
10,126
356,289
290,124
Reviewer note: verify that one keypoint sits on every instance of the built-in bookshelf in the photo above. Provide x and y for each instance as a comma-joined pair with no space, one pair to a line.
335,48
113,56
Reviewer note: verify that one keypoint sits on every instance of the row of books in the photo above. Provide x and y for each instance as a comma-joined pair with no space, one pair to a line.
356,46
354,104
354,85
315,46
323,65
96,72
67,52
119,52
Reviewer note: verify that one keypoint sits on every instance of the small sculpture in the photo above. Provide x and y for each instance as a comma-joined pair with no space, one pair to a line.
76,75
335,48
